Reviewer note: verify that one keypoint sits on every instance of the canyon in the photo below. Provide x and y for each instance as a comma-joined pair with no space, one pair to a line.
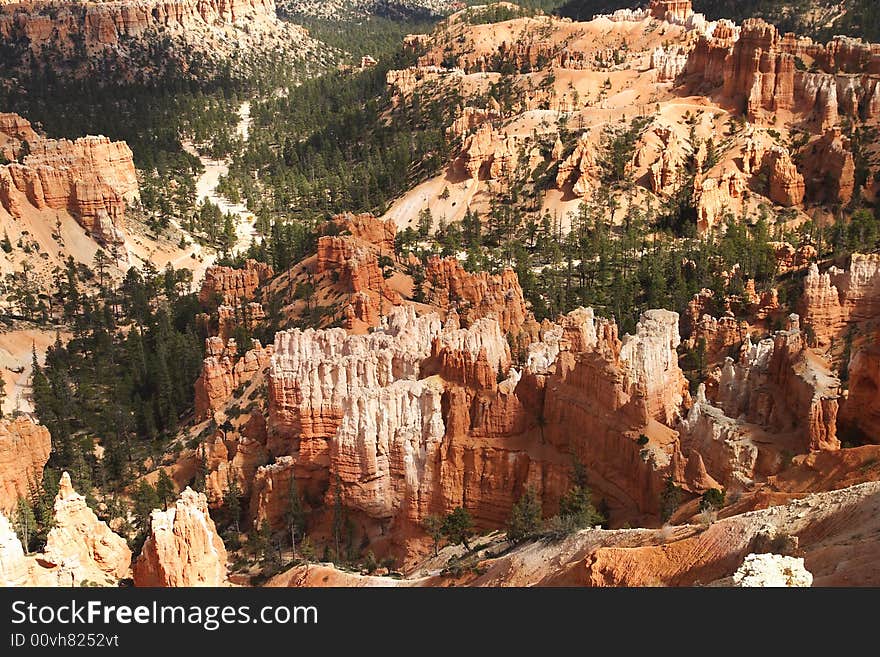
378,384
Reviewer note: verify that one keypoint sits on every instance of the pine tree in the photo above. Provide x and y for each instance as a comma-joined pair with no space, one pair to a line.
25,523
458,527
295,514
525,517
433,526
145,500
165,488
232,500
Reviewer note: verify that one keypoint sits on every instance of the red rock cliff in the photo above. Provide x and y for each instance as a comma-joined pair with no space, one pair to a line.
24,450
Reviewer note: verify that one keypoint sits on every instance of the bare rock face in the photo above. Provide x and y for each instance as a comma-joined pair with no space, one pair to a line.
91,178
24,450
755,67
488,154
669,63
715,196
14,131
223,371
837,298
862,407
580,169
671,10
85,35
783,386
471,118
829,168
352,260
183,547
81,546
672,156
475,295
772,570
14,566
232,286
786,183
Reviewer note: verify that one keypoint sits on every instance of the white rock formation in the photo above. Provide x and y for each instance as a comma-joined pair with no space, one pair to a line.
760,570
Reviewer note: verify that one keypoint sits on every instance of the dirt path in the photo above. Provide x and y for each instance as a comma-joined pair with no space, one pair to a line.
206,188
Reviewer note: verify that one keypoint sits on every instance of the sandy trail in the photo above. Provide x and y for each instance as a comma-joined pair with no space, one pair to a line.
206,188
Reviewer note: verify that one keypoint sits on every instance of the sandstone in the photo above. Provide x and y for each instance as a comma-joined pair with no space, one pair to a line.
759,570
223,371
182,547
488,154
231,286
24,450
837,298
715,197
829,170
786,183
580,169
671,10
13,565
669,63
91,178
80,546
475,295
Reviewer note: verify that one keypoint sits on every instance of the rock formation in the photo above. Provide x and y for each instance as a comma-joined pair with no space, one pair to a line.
580,168
671,10
837,298
351,262
24,450
91,178
772,570
669,63
781,385
786,183
829,169
862,407
14,566
714,197
756,67
77,39
223,371
488,154
80,546
231,286
475,295
182,547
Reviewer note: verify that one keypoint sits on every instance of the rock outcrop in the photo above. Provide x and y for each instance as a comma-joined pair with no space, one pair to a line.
669,63
716,196
488,154
231,286
786,182
24,450
838,298
759,570
475,295
82,38
862,407
671,10
14,566
80,546
580,169
781,385
182,547
91,178
223,371
829,168
351,261
756,67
